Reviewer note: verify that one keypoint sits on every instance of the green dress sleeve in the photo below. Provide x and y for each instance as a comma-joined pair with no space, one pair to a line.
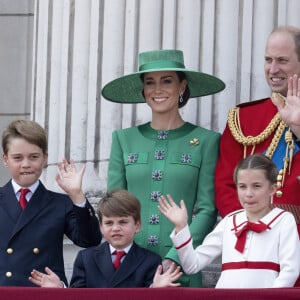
116,169
205,213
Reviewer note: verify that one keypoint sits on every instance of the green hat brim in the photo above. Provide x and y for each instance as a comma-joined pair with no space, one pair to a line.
129,88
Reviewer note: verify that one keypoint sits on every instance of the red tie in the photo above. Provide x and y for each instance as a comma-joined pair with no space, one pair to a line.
119,255
22,200
242,233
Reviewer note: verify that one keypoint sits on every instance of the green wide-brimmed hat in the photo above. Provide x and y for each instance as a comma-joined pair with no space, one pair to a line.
129,88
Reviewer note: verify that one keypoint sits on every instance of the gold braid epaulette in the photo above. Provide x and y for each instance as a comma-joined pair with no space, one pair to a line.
277,125
236,131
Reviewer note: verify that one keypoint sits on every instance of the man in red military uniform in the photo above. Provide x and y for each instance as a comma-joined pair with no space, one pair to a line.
270,126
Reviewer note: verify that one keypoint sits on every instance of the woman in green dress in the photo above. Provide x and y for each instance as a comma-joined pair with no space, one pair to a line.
166,155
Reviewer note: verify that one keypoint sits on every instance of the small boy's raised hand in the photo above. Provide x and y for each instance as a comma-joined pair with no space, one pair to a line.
70,180
50,279
167,279
177,215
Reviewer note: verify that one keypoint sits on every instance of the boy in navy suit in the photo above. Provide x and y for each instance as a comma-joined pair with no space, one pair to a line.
119,216
31,235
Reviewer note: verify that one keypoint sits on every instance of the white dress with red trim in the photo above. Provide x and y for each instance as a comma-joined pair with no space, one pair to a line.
270,258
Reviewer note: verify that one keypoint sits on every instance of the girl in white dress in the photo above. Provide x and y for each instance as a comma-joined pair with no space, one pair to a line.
259,244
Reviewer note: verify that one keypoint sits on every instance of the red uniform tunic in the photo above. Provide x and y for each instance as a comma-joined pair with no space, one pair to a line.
254,118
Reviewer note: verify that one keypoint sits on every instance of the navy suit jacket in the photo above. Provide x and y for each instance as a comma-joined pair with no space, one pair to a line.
33,238
93,268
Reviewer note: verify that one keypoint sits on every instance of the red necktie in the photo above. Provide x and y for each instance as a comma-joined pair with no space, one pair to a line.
22,200
119,255
242,233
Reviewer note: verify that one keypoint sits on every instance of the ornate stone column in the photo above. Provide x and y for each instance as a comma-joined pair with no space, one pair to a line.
65,91
66,94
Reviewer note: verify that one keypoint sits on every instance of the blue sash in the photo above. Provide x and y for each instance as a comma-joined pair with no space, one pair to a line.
279,153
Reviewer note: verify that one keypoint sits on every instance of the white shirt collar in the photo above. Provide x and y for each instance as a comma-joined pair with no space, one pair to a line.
126,249
17,187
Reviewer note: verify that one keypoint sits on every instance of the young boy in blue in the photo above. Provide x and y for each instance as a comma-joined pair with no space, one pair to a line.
119,215
32,235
